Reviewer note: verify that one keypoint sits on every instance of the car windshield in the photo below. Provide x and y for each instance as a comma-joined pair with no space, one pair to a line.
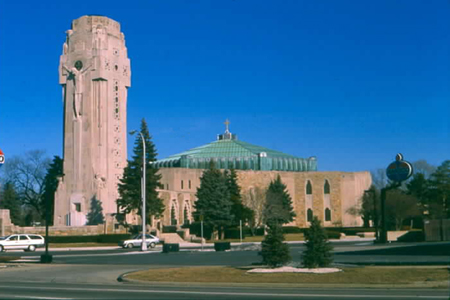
4,237
139,236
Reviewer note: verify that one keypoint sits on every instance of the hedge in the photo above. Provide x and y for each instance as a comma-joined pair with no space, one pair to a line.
169,229
292,229
234,233
222,246
333,234
102,238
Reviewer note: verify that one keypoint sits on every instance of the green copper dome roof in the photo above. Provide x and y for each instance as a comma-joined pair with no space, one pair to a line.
228,152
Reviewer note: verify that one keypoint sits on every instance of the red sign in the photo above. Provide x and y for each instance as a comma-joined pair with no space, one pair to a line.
2,158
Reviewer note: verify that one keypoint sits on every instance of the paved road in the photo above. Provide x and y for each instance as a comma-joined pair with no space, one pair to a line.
344,253
93,274
11,290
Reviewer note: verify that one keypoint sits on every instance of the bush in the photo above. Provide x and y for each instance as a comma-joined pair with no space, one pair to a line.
234,233
318,249
171,248
412,236
292,229
222,246
169,229
273,251
333,234
102,238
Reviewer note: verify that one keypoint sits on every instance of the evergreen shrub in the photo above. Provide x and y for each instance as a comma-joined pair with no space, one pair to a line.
195,228
318,249
274,252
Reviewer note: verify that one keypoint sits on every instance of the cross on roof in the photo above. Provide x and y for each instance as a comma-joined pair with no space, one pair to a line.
227,123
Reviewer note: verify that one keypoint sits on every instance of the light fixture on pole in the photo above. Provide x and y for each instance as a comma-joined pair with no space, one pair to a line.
143,185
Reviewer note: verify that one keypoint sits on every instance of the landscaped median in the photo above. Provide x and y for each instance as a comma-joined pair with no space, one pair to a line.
365,276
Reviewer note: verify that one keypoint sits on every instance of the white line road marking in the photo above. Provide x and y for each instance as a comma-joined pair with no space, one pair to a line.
35,297
332,296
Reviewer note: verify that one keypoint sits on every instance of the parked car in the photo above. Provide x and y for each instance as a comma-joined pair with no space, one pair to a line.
136,241
26,242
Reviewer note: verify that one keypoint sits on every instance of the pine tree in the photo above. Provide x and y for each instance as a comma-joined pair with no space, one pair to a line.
130,184
10,200
213,200
439,191
318,249
278,207
95,215
238,209
54,171
273,251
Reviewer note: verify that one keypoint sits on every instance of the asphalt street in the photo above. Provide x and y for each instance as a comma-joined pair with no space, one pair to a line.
93,274
29,290
354,252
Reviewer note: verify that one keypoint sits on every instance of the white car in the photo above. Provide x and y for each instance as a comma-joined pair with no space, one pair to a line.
26,242
136,241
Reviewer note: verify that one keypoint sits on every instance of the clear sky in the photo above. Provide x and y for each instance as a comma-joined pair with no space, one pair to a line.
351,82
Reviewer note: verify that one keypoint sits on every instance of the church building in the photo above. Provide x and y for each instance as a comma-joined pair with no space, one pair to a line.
327,195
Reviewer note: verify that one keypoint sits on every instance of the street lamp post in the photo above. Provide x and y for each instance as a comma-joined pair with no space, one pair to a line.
143,185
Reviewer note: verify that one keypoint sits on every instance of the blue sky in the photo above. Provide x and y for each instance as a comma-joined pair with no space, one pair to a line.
351,82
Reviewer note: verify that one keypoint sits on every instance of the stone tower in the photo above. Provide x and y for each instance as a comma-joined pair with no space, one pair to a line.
94,72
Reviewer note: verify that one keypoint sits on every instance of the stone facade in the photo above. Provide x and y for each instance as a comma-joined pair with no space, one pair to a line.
94,72
335,191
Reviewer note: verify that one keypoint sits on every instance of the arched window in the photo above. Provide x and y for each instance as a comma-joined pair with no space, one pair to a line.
327,214
186,216
309,215
308,188
173,216
326,187
173,213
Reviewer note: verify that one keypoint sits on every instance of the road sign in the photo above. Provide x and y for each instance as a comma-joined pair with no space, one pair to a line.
2,158
399,170
201,218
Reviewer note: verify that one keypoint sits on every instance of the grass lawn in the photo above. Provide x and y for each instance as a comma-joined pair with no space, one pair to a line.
75,245
360,275
288,237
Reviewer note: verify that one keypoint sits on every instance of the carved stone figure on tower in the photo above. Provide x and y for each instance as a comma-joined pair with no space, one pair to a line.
76,73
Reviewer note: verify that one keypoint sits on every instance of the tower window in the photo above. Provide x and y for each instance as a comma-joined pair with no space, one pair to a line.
308,188
326,187
309,215
182,184
78,207
189,184
327,214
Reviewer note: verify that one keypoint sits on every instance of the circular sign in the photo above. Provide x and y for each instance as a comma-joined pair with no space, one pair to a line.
399,170
2,158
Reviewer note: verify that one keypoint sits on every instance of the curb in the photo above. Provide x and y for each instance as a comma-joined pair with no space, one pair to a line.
434,285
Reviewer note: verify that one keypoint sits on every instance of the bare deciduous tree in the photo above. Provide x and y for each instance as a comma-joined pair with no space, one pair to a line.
255,199
27,173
